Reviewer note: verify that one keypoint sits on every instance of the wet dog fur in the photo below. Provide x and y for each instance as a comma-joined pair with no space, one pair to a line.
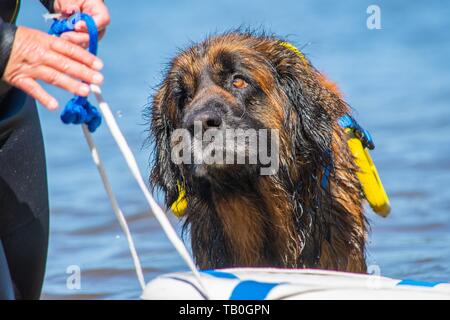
235,217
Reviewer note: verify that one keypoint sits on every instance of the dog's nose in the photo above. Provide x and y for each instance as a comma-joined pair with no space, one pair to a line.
207,119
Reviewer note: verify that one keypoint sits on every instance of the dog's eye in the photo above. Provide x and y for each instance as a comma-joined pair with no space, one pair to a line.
184,100
187,100
239,83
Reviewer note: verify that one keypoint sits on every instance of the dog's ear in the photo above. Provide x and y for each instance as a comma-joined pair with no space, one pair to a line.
164,174
312,108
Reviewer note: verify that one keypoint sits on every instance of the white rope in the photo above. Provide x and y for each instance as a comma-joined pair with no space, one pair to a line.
115,205
132,164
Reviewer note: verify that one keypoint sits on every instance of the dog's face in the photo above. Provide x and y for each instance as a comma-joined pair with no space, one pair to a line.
239,82
221,88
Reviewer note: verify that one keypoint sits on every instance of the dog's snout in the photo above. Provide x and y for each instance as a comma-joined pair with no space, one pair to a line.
209,116
207,119
210,120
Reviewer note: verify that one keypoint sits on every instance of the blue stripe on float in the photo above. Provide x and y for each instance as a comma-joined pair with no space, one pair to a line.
408,282
220,274
252,290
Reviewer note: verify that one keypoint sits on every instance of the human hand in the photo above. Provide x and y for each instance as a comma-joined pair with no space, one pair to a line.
96,8
36,55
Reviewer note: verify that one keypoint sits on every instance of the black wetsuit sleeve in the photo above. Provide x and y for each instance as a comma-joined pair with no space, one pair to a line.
48,4
7,34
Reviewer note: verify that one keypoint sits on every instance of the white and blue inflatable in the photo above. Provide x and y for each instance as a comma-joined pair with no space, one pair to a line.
285,284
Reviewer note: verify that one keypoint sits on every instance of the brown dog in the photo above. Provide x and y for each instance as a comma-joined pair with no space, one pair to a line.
236,216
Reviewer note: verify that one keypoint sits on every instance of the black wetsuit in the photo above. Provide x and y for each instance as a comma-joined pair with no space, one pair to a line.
23,180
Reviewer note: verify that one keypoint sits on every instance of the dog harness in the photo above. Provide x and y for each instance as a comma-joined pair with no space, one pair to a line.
359,142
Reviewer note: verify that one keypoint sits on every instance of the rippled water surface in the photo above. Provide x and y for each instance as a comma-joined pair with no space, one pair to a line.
397,78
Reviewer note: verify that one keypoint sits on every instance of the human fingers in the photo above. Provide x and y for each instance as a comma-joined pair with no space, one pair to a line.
77,53
32,88
78,38
73,68
59,79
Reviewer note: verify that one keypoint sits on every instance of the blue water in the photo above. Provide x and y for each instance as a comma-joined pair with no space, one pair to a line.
397,79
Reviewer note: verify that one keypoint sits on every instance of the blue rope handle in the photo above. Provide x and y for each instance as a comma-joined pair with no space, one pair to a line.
79,110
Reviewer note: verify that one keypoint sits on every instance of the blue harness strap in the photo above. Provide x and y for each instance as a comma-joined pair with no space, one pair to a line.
79,110
348,122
